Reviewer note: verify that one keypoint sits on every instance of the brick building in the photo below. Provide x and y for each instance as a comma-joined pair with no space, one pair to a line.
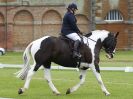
22,21
116,15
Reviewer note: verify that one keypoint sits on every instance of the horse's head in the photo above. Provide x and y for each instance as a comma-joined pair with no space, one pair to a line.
110,44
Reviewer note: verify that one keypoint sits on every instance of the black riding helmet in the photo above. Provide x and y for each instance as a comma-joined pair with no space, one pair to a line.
72,5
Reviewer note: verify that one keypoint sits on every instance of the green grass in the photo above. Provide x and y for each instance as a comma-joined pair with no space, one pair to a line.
120,56
121,59
12,58
119,84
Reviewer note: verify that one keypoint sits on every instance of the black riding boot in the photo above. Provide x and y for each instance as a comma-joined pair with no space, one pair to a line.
76,53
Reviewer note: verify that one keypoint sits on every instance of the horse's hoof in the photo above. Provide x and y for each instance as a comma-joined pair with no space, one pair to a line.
20,91
107,94
56,93
68,91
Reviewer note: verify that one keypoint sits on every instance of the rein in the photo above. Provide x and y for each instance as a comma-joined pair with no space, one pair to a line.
92,39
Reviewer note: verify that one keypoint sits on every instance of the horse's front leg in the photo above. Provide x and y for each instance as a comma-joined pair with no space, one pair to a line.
96,72
82,80
47,76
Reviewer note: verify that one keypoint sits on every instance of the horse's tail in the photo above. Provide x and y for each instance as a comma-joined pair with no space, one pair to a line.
22,74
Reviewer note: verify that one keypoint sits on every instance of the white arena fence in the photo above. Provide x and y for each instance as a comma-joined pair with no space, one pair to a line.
125,69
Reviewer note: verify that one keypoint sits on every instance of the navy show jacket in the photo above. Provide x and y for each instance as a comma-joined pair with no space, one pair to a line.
69,24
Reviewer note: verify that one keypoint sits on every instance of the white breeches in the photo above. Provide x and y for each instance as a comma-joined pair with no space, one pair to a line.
74,36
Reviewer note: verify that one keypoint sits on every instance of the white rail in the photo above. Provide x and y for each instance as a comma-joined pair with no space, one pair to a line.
126,69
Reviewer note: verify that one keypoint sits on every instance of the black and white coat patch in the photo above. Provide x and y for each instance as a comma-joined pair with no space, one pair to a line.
94,42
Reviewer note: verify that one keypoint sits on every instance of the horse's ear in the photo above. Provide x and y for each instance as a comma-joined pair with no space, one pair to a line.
116,34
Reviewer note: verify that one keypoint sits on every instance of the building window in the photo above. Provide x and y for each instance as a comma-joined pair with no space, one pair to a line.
114,15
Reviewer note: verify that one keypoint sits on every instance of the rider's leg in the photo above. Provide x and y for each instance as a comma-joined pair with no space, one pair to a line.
77,39
76,49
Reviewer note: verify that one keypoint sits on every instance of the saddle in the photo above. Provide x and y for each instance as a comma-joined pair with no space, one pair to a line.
71,46
69,41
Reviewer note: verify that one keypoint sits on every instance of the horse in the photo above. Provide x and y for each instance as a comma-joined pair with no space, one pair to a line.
55,49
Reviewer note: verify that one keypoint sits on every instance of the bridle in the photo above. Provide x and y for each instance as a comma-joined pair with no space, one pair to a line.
107,50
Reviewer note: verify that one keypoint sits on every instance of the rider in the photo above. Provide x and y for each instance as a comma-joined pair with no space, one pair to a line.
70,29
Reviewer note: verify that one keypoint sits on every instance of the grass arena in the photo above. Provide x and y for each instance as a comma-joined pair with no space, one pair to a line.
119,83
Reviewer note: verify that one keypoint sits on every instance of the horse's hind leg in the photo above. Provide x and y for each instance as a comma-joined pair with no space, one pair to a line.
82,80
31,72
47,76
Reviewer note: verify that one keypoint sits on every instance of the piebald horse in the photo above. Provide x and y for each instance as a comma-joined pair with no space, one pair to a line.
54,49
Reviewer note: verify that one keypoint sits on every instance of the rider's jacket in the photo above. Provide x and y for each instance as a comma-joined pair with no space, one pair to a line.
69,24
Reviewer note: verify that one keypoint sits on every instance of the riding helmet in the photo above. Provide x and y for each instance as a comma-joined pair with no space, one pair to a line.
72,5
